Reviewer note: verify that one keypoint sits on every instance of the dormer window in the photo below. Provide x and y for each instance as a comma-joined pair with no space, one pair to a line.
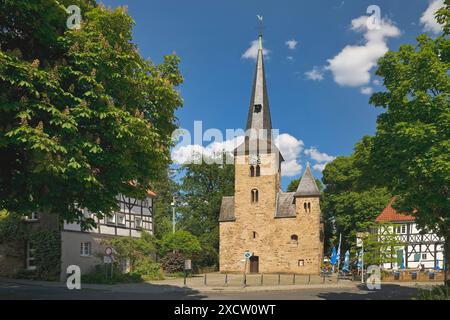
257,108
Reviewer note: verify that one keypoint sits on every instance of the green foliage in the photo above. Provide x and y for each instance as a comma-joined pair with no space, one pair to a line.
181,241
351,200
166,188
173,262
147,270
412,142
47,246
443,17
381,244
81,112
435,293
102,275
12,227
133,251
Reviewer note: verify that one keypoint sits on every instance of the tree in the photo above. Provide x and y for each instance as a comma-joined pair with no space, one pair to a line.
351,200
412,143
201,191
82,114
181,241
293,185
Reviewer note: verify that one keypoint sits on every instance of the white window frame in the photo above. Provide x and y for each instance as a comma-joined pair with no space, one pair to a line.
136,224
111,219
85,249
30,259
121,217
426,256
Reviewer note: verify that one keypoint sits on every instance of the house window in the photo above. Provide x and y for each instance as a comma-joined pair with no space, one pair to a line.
85,249
138,222
255,196
121,219
417,257
258,170
258,108
31,258
252,171
34,216
111,219
404,228
424,256
301,263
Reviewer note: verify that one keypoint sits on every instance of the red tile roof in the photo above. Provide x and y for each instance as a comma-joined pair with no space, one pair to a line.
389,214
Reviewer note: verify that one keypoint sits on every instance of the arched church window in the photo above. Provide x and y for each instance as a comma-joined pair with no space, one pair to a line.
305,206
258,170
294,237
309,206
252,171
255,195
258,108
254,234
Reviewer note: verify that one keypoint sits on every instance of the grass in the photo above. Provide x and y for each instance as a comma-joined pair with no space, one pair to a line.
435,293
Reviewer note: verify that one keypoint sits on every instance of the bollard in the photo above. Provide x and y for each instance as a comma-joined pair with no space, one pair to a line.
279,279
262,279
245,280
204,280
324,278
226,279
309,278
293,279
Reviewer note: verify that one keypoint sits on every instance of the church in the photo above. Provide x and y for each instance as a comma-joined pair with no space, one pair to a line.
282,231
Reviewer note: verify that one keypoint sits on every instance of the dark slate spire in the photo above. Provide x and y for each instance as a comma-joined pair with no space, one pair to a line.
307,186
259,112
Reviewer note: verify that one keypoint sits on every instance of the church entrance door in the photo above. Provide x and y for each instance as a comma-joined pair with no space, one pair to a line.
254,264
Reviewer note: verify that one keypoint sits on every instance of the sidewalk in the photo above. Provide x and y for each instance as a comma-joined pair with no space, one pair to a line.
173,285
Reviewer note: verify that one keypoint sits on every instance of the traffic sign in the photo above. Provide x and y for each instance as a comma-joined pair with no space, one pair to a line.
247,254
108,251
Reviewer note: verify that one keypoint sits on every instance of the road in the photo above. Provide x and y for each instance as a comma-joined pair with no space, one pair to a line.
13,291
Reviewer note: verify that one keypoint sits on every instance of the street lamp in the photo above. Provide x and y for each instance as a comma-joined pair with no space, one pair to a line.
173,203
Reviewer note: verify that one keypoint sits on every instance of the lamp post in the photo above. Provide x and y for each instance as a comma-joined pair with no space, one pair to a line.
173,214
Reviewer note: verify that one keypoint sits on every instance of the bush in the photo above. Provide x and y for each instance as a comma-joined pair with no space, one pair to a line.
181,241
102,275
47,253
173,262
435,293
148,270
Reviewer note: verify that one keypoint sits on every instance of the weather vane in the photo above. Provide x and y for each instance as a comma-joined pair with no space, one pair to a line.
260,20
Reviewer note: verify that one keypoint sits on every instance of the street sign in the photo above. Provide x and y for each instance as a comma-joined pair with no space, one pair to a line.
107,259
247,254
108,251
187,264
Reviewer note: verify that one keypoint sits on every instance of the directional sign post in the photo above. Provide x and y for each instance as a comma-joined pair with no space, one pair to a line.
247,255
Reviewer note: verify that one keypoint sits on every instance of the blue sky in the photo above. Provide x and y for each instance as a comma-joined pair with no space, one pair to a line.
321,116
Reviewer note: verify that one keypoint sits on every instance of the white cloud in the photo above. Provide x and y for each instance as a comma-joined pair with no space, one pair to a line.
318,156
367,90
187,153
352,66
252,51
291,44
319,167
428,19
376,82
315,74
290,148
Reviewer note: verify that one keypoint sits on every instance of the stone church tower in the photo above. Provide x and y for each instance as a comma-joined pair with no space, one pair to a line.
282,230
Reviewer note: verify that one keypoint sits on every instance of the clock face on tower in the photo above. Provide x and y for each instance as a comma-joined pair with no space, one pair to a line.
254,159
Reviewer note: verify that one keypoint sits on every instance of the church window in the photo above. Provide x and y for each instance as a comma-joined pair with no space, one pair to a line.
255,196
252,171
301,263
309,206
305,206
258,170
254,234
294,238
258,108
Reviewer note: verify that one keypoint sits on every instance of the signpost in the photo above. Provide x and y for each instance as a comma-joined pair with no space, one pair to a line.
187,267
247,256
360,244
109,259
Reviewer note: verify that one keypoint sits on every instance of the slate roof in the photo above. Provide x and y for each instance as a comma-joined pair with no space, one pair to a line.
307,186
285,205
227,209
389,214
